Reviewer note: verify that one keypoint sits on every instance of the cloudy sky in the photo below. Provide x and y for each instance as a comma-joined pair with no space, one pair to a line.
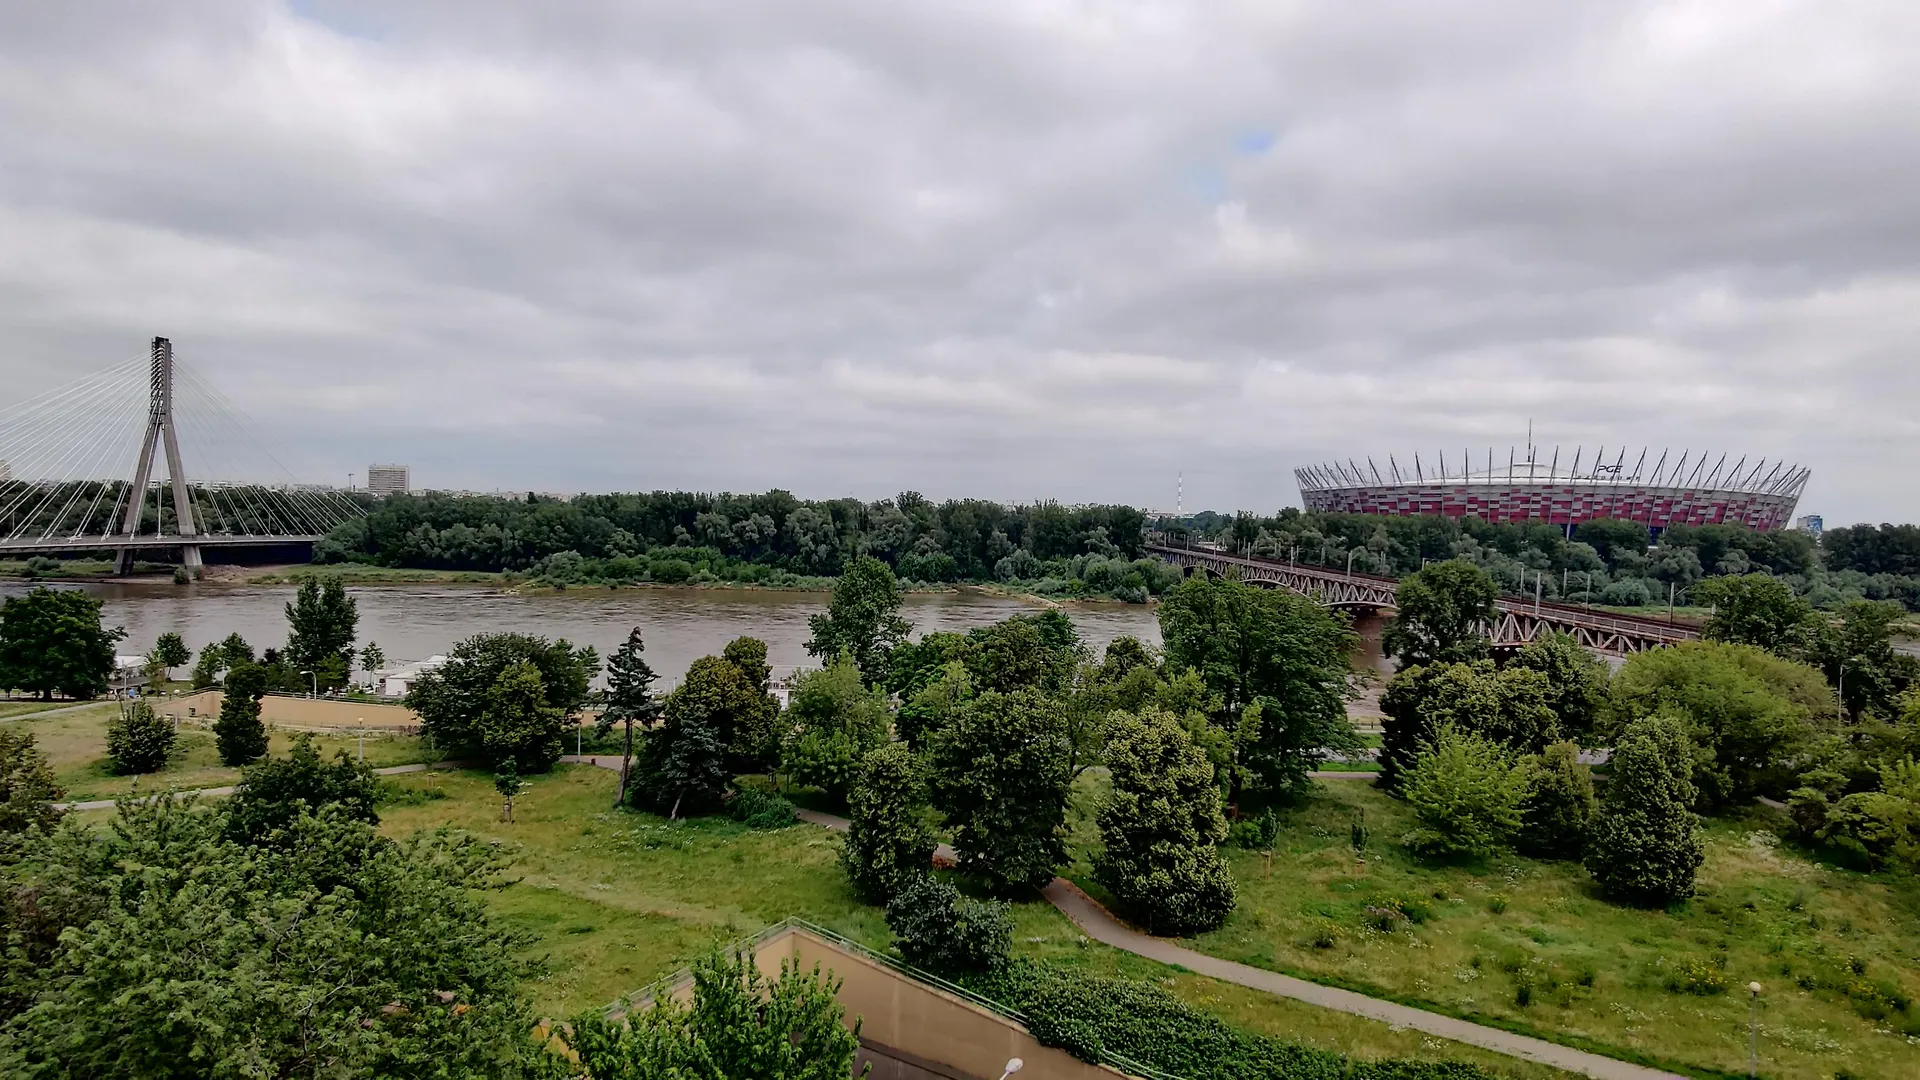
1004,248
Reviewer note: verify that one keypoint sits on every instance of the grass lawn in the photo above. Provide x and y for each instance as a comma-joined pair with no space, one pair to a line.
1835,950
76,746
618,899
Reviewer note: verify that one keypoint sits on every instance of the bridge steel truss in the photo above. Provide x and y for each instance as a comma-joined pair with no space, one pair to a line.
1516,621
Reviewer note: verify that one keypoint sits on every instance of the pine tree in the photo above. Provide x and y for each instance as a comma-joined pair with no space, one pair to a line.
1644,847
1161,827
629,697
238,733
889,842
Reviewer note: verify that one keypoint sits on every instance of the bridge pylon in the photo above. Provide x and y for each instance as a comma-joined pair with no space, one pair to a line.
161,435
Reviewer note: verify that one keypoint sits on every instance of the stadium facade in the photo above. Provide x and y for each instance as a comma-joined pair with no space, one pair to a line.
1692,490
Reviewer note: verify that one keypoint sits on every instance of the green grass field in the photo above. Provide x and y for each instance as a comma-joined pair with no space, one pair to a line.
1834,950
76,746
360,573
617,900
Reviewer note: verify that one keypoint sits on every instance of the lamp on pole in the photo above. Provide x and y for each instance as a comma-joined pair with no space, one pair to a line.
1753,1030
1350,556
1840,693
1014,1065
316,683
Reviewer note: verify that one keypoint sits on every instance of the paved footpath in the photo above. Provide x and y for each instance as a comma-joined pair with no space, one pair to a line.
55,712
1101,926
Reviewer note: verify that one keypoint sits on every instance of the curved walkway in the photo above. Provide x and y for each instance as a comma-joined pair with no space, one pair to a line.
1097,923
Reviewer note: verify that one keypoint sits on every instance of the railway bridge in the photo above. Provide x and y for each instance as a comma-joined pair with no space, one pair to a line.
1517,621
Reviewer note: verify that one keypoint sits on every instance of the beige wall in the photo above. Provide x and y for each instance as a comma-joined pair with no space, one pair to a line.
301,712
905,1014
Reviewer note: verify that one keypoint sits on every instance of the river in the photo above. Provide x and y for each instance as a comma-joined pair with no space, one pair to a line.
413,622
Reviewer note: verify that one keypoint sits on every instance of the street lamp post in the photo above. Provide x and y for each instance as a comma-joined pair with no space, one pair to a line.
1014,1065
1350,556
1753,1030
316,683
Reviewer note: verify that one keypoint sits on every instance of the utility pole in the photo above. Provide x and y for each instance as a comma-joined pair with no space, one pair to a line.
160,434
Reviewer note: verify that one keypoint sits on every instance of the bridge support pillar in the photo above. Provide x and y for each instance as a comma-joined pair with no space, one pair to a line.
123,562
190,559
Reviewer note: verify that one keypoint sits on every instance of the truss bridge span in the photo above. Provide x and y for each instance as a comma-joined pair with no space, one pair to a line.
1516,622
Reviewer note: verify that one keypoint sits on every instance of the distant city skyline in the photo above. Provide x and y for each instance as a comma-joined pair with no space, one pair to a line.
994,250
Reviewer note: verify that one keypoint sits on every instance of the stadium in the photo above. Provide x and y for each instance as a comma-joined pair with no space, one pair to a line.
1539,488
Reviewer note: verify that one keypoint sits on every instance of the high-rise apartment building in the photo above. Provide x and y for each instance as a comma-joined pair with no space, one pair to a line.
387,480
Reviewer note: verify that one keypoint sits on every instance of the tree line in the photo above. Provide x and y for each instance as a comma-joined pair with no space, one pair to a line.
771,537
1605,561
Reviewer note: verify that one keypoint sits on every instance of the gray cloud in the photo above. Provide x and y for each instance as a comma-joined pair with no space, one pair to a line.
1003,249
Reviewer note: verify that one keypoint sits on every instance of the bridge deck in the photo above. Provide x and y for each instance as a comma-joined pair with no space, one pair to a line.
66,544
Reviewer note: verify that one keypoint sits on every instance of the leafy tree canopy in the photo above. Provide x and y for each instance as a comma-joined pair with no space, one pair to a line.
27,787
834,721
1509,706
154,947
1001,773
51,641
1466,793
322,622
862,620
1161,826
471,708
274,793
1281,656
1644,846
1444,611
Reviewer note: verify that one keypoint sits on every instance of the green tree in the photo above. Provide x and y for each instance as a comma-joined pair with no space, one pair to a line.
372,657
629,697
1161,827
52,642
684,762
322,621
754,741
1879,828
1755,609
1506,705
890,842
238,733
939,930
506,781
273,793
1000,772
1444,611
835,721
1282,655
1576,681
1855,652
206,670
170,651
1558,806
1644,844
1466,793
139,740
469,711
863,619
1750,715
27,787
163,950
738,1024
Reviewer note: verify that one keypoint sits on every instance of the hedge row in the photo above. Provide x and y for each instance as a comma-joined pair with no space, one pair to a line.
1088,1015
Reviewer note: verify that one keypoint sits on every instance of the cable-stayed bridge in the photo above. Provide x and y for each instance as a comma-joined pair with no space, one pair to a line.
81,468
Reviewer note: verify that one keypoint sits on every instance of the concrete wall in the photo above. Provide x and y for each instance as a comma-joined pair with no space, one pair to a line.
296,712
916,1031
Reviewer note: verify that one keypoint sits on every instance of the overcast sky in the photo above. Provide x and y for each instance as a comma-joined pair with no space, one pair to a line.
1003,248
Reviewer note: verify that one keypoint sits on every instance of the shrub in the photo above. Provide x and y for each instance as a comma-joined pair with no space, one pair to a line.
758,809
1160,827
1558,805
1697,977
139,740
1466,794
670,571
946,933
836,721
889,841
1645,842
272,793
1090,1017
27,787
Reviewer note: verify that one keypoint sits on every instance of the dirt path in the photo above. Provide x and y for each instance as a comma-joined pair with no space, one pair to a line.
108,804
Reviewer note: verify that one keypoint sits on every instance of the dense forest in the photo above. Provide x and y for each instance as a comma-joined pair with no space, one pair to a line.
777,539
771,538
1606,562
